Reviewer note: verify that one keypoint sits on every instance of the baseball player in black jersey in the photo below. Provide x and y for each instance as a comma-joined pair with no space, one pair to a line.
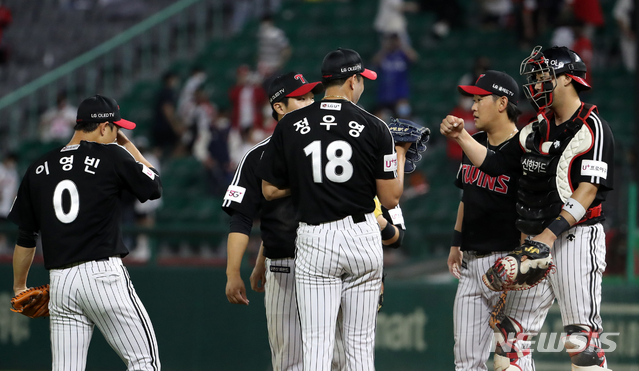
70,197
274,270
485,231
333,158
566,158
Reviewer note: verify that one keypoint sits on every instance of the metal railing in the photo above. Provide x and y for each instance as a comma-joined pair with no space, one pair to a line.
176,32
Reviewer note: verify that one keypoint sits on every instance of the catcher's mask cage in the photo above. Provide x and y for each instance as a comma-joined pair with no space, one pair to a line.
543,67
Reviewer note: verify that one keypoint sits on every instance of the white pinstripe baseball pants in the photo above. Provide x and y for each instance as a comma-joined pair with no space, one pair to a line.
339,263
473,304
99,293
283,322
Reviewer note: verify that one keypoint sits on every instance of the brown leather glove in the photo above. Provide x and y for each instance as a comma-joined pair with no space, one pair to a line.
32,303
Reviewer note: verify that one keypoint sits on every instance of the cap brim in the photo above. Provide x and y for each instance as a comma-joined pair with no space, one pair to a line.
125,124
369,74
472,90
315,87
580,80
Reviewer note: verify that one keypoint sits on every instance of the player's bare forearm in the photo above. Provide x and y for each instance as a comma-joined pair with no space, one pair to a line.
258,276
133,150
236,246
22,259
453,128
272,192
585,195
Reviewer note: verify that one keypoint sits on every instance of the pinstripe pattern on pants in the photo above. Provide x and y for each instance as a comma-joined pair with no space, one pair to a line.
281,315
99,293
473,304
283,323
580,257
338,264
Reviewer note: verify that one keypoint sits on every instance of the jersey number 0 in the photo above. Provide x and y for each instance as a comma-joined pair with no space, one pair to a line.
69,186
338,153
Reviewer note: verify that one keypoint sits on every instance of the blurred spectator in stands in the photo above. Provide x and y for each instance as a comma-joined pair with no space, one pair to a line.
167,126
211,144
273,51
572,34
204,115
448,14
390,18
393,61
247,100
5,20
496,13
463,108
144,213
57,122
588,13
534,17
625,13
186,101
9,179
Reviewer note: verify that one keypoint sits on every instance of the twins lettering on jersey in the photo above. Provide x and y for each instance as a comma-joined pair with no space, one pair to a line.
471,175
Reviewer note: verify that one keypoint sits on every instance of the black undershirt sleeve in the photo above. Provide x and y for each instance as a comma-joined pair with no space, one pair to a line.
240,223
26,238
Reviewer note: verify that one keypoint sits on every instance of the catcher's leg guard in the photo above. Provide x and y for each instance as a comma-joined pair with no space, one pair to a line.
584,348
508,339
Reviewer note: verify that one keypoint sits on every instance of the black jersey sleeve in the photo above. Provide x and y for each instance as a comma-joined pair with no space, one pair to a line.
273,167
140,180
386,163
244,194
22,211
506,159
596,166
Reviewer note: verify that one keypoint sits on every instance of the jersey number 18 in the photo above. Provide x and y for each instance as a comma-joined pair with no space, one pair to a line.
338,153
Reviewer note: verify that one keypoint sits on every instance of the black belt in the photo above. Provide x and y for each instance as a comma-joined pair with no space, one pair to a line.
357,218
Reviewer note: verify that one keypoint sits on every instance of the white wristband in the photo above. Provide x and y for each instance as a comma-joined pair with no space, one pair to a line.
574,208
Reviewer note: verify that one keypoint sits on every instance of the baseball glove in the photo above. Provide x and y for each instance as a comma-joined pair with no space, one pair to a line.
522,269
405,131
32,303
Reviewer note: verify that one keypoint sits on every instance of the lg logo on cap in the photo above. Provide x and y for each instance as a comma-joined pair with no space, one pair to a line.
102,115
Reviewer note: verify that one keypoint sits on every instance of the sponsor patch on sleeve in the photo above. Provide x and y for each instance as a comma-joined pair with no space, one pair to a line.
594,168
148,172
331,106
235,193
390,162
396,216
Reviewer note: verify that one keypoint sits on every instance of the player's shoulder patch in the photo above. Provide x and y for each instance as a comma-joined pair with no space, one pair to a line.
147,171
235,193
390,162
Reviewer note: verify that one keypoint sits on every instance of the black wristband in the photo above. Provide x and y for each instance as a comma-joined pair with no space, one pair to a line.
457,238
388,232
559,225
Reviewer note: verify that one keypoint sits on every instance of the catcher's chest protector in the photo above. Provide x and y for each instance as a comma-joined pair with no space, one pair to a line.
545,182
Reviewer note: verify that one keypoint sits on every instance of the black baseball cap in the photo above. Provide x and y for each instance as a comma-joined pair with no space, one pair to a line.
493,82
344,63
100,109
291,85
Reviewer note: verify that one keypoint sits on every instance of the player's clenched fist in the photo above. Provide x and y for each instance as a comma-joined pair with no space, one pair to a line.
451,126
